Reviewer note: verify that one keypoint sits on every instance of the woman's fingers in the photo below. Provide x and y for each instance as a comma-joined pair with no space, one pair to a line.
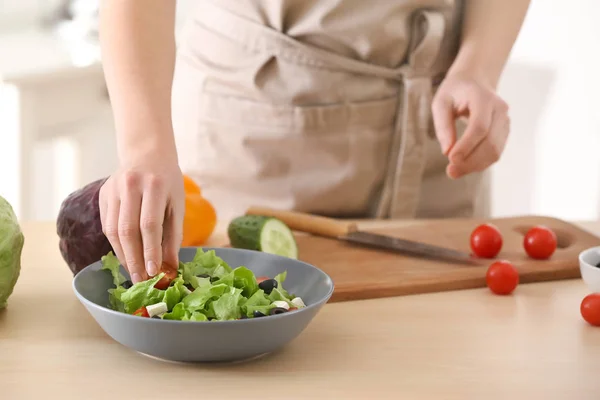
173,232
487,151
134,203
480,110
152,215
442,110
466,96
109,214
129,227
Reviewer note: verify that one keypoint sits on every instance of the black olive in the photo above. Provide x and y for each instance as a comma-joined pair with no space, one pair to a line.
157,317
277,310
127,284
203,276
258,314
268,285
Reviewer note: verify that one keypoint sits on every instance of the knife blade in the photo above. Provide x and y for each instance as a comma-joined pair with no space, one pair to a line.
349,232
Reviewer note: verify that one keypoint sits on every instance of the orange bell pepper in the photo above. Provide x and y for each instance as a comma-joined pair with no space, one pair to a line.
190,186
200,216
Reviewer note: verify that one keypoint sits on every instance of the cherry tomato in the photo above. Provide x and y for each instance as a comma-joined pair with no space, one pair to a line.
502,277
486,241
142,312
590,309
540,242
262,278
170,274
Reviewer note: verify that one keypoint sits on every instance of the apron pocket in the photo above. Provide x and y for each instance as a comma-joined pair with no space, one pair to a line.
325,159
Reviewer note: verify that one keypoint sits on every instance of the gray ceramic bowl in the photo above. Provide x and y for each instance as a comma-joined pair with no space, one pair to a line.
210,341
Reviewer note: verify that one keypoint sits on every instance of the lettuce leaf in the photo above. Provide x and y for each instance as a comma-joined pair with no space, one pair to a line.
142,294
204,263
263,309
178,313
114,298
227,306
175,293
198,316
111,263
280,278
244,279
225,279
258,301
198,298
259,298
208,263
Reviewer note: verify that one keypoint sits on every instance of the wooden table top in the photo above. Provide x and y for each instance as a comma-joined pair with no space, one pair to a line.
454,345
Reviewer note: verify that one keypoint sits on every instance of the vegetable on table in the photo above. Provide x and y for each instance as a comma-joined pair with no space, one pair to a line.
200,216
502,277
79,228
590,309
11,247
199,220
190,186
204,289
261,233
486,241
540,242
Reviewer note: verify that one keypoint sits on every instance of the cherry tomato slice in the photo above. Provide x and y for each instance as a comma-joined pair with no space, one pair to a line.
262,278
142,312
590,309
170,275
502,277
540,242
293,309
486,241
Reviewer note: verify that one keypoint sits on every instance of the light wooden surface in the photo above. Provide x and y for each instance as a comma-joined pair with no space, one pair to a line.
365,273
453,345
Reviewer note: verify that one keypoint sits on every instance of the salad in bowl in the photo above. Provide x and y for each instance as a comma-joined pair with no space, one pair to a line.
202,290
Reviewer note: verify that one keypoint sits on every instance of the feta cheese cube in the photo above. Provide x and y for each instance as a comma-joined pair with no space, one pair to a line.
282,304
298,302
157,309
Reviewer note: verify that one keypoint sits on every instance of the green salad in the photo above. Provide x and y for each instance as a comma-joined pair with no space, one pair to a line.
204,289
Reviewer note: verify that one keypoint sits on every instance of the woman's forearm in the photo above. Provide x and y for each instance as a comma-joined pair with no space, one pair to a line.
138,54
490,29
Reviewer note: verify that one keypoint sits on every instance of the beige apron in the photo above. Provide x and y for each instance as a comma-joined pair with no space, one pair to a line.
319,106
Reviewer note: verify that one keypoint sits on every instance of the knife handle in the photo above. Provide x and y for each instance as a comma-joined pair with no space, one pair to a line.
302,222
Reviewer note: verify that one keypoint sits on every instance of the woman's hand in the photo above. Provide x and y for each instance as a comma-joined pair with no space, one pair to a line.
142,208
489,30
488,124
142,204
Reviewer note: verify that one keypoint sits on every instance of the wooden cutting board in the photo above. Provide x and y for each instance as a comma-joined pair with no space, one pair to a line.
363,273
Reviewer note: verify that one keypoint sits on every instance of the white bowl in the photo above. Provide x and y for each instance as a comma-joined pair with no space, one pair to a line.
590,273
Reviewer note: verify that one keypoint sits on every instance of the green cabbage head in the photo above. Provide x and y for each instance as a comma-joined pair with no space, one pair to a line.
11,245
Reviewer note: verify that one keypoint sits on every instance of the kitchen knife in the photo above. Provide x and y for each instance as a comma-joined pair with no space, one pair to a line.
348,231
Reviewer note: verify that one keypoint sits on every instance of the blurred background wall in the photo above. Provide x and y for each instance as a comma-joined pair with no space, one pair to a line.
56,131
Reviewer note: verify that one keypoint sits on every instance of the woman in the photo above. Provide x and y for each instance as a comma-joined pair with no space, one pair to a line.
324,106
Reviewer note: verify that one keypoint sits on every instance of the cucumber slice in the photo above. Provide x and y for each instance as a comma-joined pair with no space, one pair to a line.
266,234
277,238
